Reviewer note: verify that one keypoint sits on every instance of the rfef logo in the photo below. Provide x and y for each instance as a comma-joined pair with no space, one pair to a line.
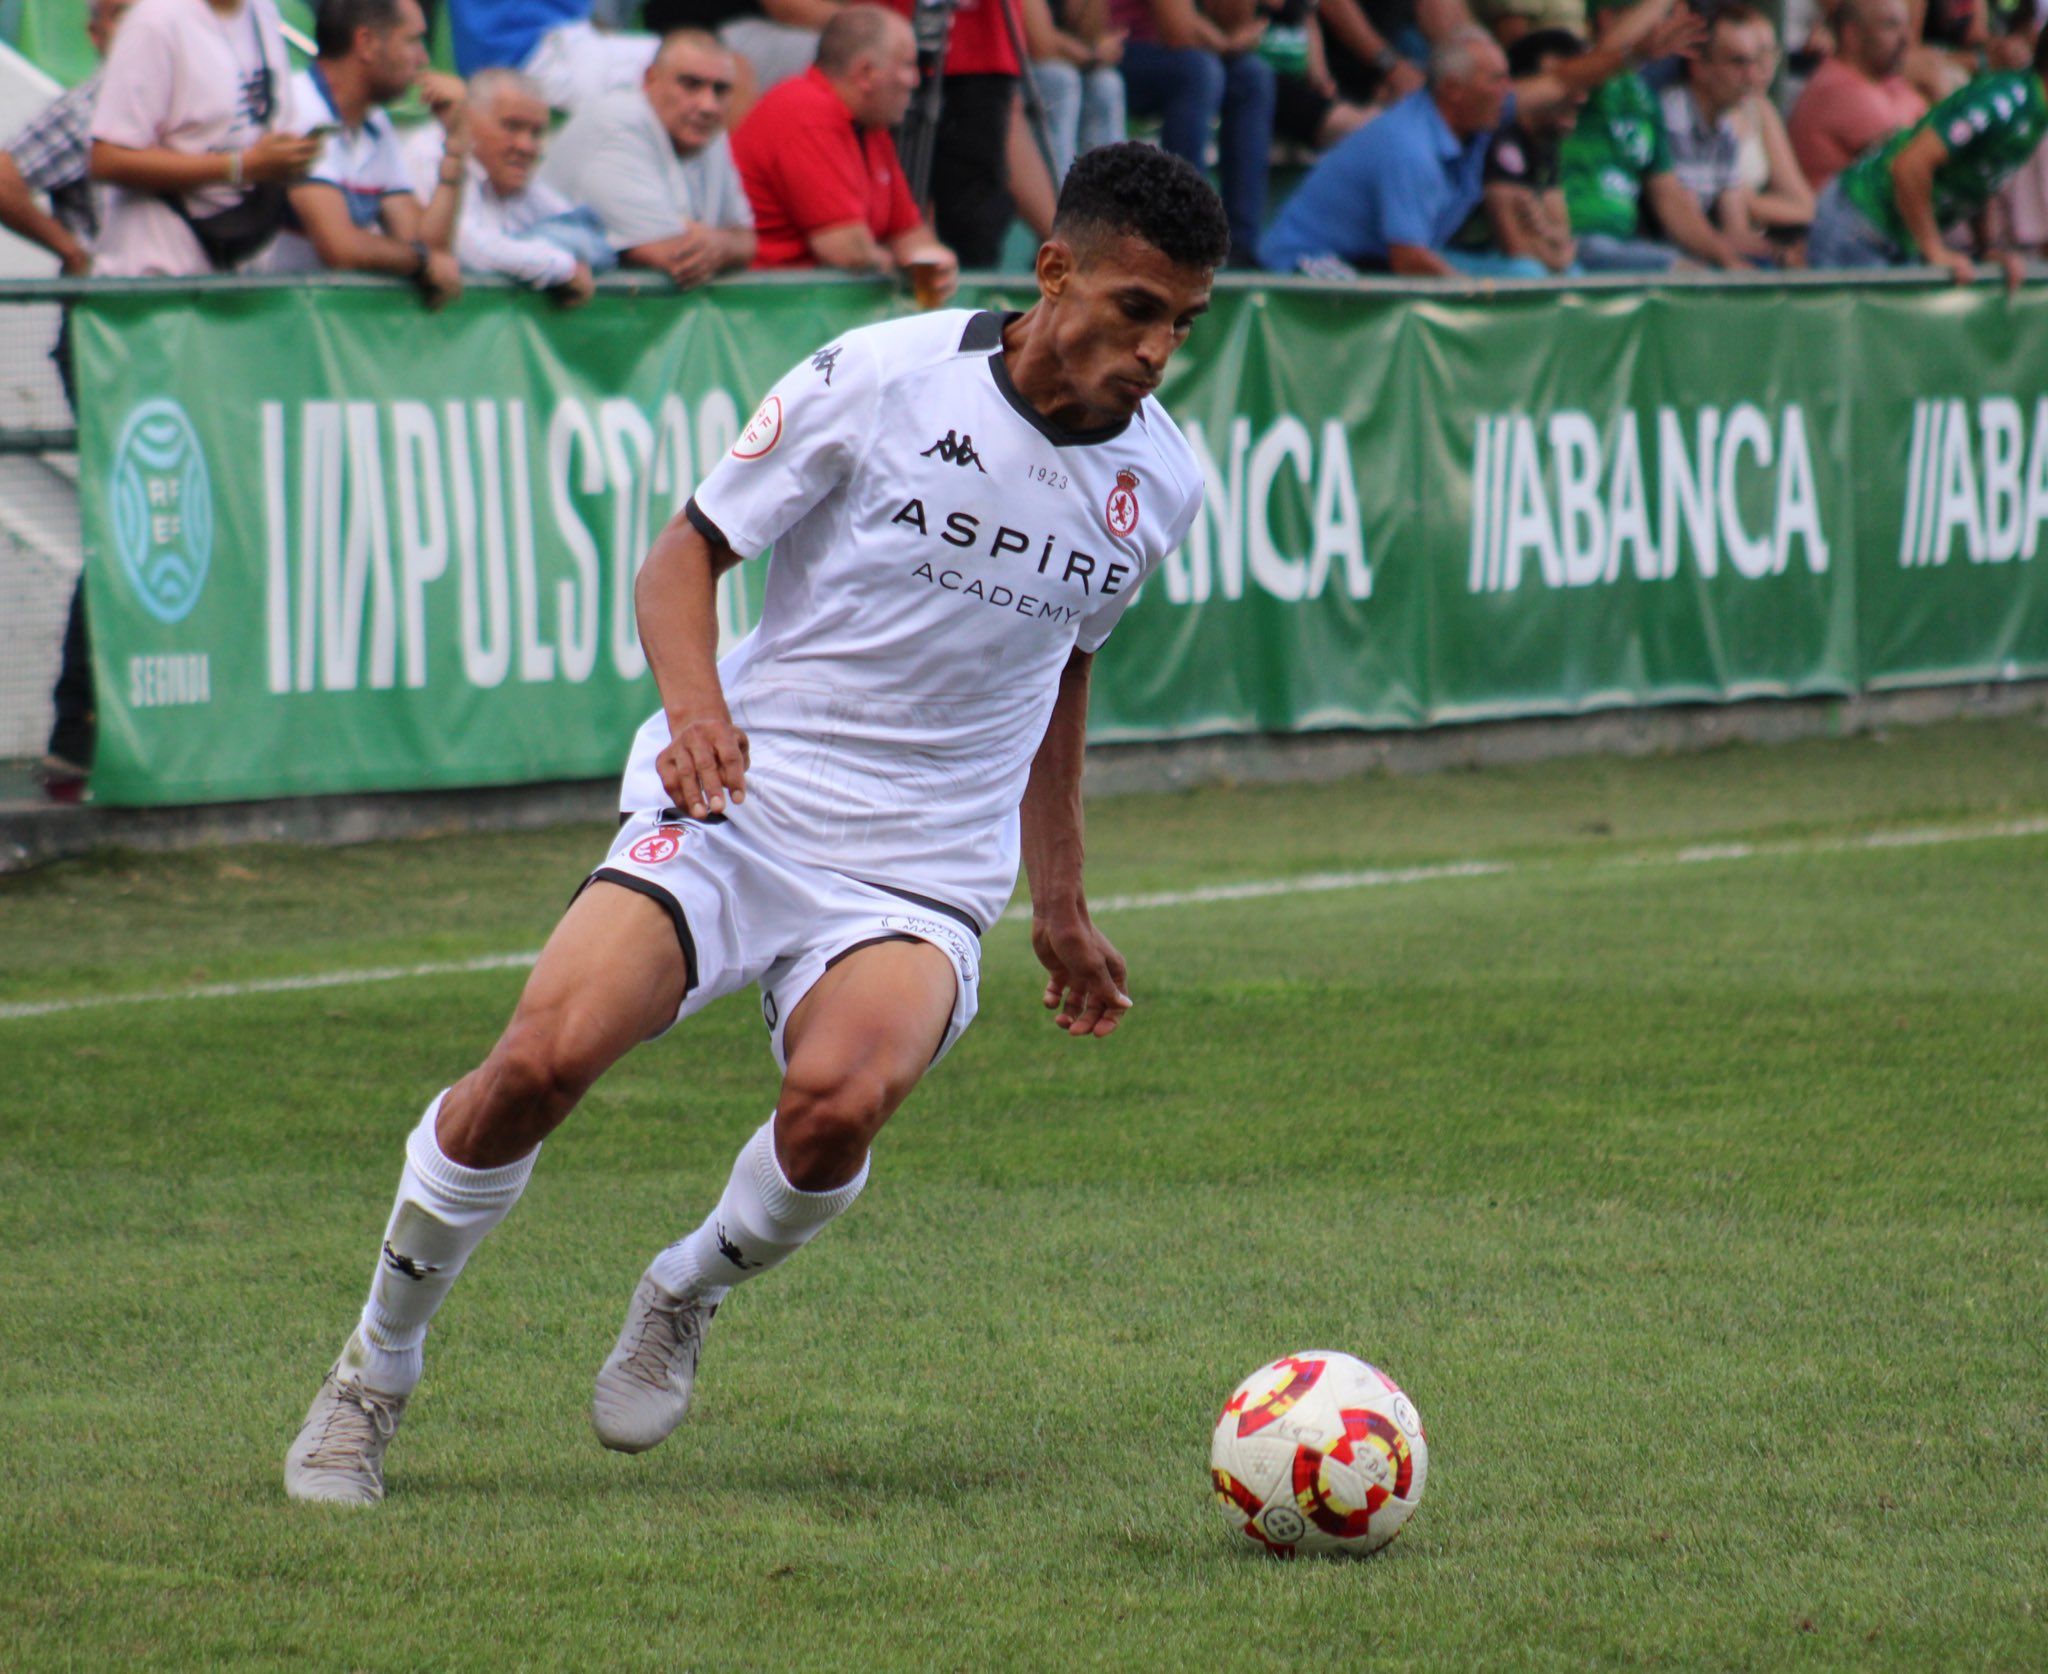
161,504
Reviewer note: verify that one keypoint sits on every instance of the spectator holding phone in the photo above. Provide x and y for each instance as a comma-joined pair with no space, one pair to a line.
193,137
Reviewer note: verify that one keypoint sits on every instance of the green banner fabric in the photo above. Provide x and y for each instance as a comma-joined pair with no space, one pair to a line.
336,543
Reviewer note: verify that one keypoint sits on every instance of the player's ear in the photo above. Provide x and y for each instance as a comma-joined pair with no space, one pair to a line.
1055,266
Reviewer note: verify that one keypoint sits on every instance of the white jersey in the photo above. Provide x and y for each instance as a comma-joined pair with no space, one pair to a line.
941,549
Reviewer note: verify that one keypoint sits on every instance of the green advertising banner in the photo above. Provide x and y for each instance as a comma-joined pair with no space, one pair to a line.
337,543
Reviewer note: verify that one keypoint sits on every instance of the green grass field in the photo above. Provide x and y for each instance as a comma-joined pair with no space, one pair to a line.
1689,1169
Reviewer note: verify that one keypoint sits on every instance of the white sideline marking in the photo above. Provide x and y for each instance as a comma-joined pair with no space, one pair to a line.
1313,883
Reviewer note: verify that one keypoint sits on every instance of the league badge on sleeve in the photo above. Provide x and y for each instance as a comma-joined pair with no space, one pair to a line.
1122,510
763,431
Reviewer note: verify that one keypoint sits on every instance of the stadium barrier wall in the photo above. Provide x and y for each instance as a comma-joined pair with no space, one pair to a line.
336,543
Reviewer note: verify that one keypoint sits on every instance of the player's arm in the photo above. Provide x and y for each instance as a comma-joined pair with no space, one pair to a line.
675,599
1085,975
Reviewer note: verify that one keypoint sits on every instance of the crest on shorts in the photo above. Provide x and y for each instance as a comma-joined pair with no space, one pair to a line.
763,431
658,846
1122,510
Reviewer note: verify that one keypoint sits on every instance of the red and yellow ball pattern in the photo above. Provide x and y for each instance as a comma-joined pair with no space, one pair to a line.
1318,1452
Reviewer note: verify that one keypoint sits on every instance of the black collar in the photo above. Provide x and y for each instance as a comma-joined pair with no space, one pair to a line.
984,333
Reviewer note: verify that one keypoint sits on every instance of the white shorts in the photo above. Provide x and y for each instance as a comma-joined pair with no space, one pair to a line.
745,915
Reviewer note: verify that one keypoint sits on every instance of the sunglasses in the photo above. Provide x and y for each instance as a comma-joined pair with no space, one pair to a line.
697,84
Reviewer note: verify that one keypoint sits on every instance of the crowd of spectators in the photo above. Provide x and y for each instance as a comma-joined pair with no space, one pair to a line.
698,137
691,138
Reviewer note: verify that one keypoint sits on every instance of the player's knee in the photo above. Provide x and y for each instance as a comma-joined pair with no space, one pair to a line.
536,1073
825,1123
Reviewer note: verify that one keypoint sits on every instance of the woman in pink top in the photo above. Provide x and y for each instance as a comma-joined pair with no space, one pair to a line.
193,113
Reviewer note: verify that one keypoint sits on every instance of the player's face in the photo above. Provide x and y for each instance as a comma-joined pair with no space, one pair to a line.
506,136
397,56
691,91
1117,319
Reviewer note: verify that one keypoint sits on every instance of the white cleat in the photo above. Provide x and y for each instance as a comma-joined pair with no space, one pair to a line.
643,1388
338,1458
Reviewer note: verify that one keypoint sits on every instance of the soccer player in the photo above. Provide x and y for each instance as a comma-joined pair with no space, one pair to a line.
962,505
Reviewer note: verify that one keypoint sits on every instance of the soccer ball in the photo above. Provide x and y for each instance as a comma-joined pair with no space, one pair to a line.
1318,1452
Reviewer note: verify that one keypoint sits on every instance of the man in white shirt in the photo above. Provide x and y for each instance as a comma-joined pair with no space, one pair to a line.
961,506
655,163
193,129
511,222
355,211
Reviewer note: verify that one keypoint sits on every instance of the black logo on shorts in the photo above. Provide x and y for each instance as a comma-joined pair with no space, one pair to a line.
405,1263
732,1252
825,360
956,450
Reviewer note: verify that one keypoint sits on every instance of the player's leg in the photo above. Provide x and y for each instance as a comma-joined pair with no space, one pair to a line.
612,974
856,1044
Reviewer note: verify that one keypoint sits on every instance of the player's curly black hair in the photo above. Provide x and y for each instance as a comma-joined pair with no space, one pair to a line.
1148,193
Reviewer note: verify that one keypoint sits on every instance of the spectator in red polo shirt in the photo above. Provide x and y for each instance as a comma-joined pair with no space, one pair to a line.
819,166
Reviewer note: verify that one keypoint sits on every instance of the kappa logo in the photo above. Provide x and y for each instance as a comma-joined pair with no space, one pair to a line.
1122,511
826,361
956,450
405,1264
732,1252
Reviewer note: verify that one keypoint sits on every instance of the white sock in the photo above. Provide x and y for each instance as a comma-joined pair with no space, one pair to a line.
760,1222
442,1213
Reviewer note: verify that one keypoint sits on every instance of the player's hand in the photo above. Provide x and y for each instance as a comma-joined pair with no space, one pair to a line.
705,762
1085,975
2014,266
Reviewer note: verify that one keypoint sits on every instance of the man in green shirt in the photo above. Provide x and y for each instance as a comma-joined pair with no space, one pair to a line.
1893,204
1618,159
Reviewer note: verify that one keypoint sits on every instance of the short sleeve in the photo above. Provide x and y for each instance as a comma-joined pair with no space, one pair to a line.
726,202
802,443
387,165
1100,622
134,105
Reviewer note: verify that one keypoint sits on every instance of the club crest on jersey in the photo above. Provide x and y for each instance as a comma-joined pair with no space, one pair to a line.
1122,510
763,431
658,847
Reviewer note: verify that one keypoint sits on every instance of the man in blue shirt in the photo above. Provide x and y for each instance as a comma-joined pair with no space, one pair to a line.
1391,196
